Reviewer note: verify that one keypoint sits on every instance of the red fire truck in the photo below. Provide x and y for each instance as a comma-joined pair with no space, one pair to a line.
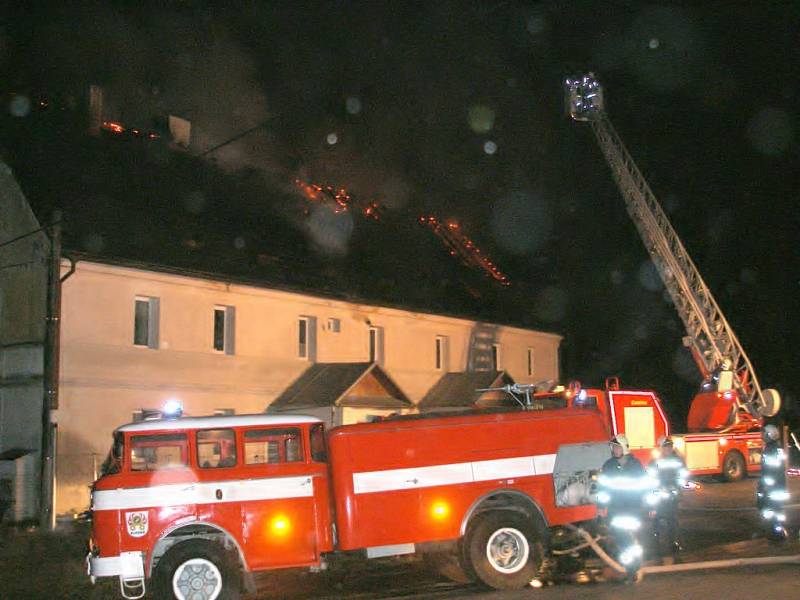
192,506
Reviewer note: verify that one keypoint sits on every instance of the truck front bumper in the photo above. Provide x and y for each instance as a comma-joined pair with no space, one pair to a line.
128,565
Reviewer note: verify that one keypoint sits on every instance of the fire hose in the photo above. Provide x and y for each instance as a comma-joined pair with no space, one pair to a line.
591,542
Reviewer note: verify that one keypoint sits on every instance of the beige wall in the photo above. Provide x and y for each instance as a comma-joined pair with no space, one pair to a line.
104,377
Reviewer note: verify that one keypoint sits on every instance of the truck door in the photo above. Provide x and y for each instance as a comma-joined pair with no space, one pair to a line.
638,414
279,504
218,472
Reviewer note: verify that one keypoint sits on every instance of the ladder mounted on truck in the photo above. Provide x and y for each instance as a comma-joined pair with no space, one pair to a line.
710,337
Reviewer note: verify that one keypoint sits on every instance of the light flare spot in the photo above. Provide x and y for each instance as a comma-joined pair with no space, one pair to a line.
480,118
19,106
353,105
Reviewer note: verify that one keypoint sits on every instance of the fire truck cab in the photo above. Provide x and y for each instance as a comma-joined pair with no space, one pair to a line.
189,507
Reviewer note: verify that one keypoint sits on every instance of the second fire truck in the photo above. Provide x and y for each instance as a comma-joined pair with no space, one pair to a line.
726,415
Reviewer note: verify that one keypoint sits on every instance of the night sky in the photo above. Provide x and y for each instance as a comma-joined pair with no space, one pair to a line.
455,109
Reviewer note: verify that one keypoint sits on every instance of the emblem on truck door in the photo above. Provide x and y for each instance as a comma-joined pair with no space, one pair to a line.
137,523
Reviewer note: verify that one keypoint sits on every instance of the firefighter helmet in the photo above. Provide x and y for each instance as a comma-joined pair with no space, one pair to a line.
771,433
621,441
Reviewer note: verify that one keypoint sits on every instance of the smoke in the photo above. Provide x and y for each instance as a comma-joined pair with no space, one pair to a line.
168,63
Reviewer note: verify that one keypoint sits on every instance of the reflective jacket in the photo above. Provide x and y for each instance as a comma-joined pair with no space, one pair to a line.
623,485
772,483
670,472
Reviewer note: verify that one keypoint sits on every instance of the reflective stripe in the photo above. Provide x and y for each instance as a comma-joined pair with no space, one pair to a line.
454,473
668,463
775,461
644,482
175,494
626,522
779,495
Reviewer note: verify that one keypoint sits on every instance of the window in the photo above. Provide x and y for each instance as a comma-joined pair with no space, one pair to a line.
307,338
113,461
376,345
158,452
319,452
145,322
224,327
302,338
441,353
334,325
530,361
496,357
216,448
271,446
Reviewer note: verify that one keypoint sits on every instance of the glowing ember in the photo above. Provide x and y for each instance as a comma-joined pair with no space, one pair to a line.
339,199
460,245
113,127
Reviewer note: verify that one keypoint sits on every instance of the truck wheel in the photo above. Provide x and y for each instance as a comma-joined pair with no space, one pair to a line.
504,550
196,570
733,467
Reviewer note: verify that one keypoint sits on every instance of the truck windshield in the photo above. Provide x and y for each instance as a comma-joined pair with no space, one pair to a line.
113,462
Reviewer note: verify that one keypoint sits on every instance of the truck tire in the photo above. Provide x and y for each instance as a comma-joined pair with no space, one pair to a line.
733,467
196,570
504,550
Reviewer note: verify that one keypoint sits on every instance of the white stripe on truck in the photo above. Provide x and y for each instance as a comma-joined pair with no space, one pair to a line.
175,494
454,473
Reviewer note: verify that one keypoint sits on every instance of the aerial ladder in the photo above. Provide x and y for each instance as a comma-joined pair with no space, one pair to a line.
732,398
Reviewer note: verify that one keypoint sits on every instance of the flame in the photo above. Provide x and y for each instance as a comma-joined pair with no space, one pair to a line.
339,199
458,244
113,127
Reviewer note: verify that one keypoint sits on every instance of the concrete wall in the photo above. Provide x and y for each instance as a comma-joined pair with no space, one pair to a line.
23,294
104,377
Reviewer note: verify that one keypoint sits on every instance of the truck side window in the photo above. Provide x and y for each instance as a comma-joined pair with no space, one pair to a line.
113,462
156,452
586,402
216,448
319,453
271,446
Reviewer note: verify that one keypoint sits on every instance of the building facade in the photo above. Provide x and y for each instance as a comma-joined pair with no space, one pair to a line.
134,337
24,250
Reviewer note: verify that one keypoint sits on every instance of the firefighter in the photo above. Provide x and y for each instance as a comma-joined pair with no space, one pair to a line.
670,473
771,493
624,485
